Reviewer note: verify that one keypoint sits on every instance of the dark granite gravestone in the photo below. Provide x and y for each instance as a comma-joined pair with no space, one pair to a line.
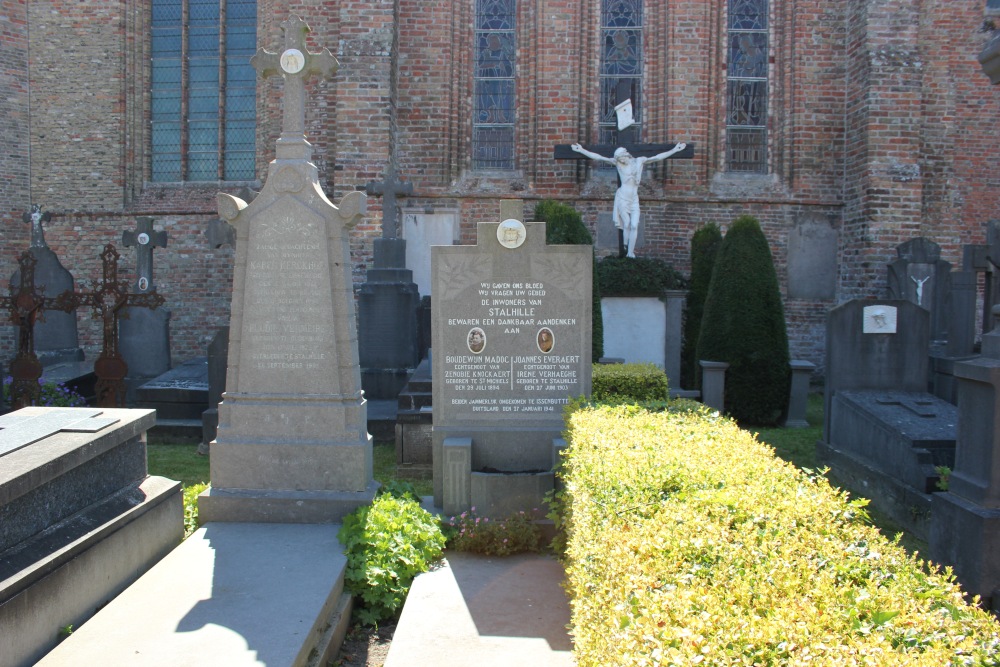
388,349
218,353
144,333
179,396
511,346
81,519
965,523
55,336
883,433
921,276
414,424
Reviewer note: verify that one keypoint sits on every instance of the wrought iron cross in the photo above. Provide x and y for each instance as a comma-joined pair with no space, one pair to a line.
294,64
145,240
109,298
25,304
389,188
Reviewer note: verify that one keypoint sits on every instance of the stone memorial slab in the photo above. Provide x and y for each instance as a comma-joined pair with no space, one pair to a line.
921,276
511,346
144,333
812,258
423,230
20,430
292,443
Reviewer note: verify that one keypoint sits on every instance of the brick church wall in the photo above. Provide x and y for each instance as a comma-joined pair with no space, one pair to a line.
880,120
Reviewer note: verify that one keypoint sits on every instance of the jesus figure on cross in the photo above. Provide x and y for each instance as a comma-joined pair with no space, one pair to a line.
626,212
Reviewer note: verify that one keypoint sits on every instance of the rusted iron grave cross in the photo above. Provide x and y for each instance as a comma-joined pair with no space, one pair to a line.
109,298
295,65
26,303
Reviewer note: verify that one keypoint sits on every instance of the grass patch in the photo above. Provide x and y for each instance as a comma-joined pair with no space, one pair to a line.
384,464
179,462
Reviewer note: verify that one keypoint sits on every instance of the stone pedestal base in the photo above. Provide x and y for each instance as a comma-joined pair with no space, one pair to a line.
281,506
967,537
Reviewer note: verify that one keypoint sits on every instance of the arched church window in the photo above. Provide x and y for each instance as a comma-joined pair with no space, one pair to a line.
621,63
203,110
746,87
494,96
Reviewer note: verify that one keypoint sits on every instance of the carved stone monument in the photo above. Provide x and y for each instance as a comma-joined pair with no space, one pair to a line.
511,346
292,443
921,276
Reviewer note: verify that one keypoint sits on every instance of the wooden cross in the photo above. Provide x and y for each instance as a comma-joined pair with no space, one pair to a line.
26,304
145,240
390,187
109,298
294,64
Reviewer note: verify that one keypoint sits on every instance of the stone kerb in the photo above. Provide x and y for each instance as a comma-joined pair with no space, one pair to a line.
511,346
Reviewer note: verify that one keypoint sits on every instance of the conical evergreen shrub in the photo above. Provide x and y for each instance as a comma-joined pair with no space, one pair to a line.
744,324
704,248
564,226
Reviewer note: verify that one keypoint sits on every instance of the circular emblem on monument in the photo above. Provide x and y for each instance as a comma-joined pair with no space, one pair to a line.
143,284
511,233
143,238
476,340
292,61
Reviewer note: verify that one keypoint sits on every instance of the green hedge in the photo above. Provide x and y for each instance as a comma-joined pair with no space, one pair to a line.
690,543
704,247
637,276
616,383
564,226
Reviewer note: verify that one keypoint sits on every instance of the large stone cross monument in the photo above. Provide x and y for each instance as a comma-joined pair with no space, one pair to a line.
292,443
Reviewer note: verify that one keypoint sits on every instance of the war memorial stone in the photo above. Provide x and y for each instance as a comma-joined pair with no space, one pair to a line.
292,443
511,346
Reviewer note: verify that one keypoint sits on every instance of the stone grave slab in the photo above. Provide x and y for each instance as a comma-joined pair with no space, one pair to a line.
511,346
179,394
81,519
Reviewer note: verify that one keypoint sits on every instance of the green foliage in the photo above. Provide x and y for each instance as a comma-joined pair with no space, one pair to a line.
628,382
191,521
944,475
499,537
744,325
690,543
50,395
387,544
637,276
704,247
564,226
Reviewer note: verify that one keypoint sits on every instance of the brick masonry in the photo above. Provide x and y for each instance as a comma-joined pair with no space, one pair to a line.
880,119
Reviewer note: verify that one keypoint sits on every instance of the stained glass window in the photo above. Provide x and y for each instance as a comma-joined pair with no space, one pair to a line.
746,87
493,100
203,90
621,64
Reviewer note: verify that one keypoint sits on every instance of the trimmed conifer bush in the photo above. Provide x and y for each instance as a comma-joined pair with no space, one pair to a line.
564,226
704,248
743,324
637,276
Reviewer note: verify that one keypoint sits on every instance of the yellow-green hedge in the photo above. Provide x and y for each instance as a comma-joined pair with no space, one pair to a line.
691,544
628,382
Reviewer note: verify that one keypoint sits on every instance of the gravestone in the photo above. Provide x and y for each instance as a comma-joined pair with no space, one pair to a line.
883,433
921,276
56,338
292,443
179,396
144,333
812,258
512,344
218,355
965,524
387,303
423,230
81,519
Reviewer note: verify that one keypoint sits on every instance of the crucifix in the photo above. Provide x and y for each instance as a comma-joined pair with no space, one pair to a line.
629,158
145,240
109,301
35,218
26,304
294,64
390,187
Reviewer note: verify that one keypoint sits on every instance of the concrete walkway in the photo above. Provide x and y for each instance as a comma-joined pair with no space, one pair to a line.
485,612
